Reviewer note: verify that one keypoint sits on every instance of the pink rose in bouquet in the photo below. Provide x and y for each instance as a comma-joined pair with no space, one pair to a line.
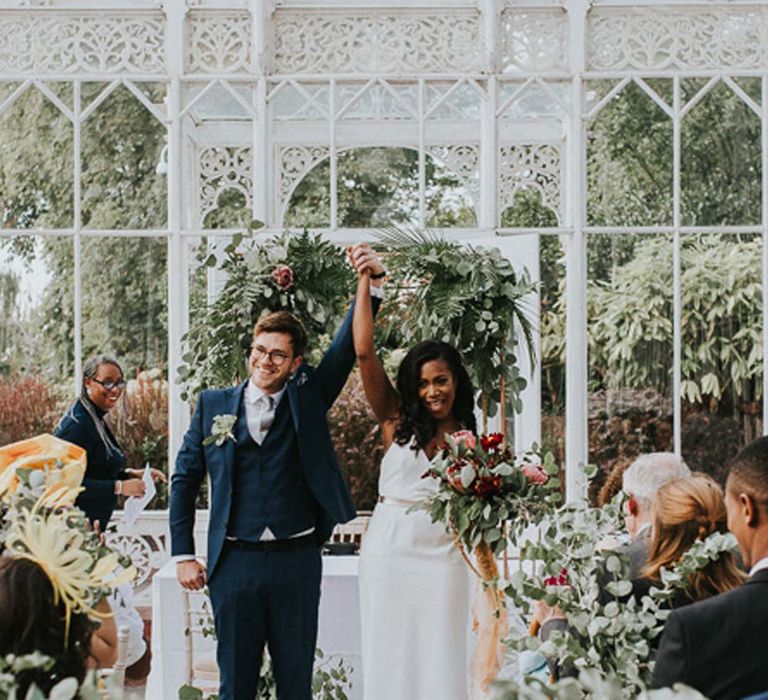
283,277
534,473
465,436
453,476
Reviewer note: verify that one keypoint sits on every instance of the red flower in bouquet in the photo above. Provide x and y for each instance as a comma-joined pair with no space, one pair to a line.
534,473
485,486
491,442
465,436
561,580
283,277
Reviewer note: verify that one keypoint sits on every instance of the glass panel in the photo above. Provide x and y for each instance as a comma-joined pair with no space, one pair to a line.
122,144
309,103
310,203
629,320
629,162
463,103
218,103
534,101
36,363
378,187
720,162
36,164
722,346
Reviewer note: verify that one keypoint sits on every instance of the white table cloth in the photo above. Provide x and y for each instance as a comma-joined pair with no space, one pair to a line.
339,627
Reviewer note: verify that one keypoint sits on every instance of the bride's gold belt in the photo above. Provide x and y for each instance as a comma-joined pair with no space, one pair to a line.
400,502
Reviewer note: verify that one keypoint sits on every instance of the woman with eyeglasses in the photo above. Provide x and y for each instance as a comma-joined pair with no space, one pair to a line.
106,476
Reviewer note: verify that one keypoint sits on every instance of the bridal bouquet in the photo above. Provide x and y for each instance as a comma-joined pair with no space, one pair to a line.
483,485
485,494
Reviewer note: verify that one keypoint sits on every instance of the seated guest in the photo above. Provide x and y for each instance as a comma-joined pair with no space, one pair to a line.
718,646
687,510
31,621
641,482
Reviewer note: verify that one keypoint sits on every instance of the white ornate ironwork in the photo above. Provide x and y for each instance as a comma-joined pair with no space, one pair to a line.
377,42
219,42
534,40
294,162
223,168
108,43
530,167
463,160
666,38
379,100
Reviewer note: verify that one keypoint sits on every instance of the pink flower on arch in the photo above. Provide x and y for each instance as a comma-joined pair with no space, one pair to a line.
283,277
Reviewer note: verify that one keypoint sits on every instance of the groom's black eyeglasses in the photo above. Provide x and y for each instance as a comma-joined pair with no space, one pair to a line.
276,357
108,385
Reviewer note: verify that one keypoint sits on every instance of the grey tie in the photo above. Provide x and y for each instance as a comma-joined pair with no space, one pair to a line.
267,417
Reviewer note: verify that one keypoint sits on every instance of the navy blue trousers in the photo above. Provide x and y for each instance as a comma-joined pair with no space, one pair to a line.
267,598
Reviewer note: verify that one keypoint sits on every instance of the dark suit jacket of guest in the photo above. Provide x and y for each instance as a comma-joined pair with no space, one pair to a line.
103,469
310,394
720,645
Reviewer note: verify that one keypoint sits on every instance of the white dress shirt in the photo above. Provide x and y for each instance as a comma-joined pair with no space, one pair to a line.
759,566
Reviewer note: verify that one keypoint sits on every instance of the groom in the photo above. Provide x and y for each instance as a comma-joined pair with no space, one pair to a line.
276,493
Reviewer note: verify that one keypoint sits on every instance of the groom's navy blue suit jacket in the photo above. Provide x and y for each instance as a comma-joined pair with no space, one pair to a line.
310,394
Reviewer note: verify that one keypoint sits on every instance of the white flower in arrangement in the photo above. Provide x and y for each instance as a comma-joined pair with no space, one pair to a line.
221,430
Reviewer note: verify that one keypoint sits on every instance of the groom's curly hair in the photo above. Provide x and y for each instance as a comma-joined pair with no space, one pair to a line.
415,420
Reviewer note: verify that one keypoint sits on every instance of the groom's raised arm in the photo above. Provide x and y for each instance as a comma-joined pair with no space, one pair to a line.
332,372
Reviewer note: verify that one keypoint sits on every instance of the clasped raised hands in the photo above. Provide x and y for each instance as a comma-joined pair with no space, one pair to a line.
364,259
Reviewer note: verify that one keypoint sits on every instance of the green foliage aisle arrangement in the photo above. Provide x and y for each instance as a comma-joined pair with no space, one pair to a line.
610,643
470,297
299,273
483,489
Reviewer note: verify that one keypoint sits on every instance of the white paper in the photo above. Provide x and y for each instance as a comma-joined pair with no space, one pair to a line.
135,505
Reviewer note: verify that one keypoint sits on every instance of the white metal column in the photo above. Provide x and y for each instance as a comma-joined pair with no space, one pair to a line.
576,269
178,303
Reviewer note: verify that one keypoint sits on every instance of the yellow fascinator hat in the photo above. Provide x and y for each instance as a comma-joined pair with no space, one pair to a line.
80,568
57,465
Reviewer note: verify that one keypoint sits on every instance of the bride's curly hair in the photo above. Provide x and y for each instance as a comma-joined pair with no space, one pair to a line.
415,420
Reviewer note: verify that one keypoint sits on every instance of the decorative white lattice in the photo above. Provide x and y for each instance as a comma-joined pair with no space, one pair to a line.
534,40
449,101
219,42
293,163
663,38
380,100
463,160
377,42
104,43
530,167
300,102
223,168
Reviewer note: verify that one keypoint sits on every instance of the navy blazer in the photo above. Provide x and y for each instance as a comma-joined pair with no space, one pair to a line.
310,392
102,469
718,646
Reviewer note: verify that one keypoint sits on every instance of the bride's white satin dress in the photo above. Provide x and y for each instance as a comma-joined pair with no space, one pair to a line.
414,593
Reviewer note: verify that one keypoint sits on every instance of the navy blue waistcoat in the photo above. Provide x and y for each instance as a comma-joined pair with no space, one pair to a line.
268,484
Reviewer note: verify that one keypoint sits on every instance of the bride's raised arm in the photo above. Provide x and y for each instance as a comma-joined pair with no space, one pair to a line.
379,391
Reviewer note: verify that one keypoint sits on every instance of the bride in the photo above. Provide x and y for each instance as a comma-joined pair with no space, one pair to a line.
414,586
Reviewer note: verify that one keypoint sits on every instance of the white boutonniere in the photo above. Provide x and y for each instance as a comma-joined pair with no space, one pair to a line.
221,430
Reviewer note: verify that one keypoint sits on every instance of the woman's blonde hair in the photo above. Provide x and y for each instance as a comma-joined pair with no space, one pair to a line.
686,510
